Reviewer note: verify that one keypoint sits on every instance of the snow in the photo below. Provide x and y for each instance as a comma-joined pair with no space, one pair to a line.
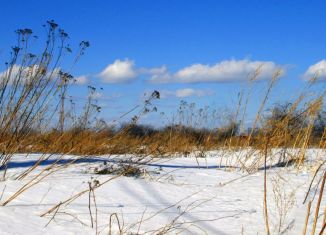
192,195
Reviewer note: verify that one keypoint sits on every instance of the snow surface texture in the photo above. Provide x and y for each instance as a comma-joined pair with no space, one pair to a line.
186,195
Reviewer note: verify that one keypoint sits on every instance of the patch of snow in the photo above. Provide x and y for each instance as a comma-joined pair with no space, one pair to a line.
191,194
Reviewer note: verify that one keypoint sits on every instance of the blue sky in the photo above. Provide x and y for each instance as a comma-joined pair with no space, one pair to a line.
198,51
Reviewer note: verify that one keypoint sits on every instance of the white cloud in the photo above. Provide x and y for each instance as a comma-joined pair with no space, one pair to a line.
225,71
119,72
14,73
317,70
81,80
187,92
26,74
122,71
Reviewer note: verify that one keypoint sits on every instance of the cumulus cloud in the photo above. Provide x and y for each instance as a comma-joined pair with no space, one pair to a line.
317,70
81,80
14,73
187,92
225,71
120,71
23,74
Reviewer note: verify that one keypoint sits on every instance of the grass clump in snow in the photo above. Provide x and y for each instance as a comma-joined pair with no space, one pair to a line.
122,169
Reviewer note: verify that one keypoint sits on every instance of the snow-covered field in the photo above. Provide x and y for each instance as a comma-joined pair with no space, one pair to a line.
186,195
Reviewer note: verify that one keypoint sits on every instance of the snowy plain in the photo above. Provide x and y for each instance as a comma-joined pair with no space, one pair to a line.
175,195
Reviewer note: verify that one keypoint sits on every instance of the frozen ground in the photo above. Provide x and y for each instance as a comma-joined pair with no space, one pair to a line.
177,195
